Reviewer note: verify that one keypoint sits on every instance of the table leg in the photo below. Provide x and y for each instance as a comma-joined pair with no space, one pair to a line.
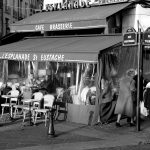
29,123
10,109
30,115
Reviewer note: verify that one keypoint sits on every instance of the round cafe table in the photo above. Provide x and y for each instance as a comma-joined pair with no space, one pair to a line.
29,101
10,105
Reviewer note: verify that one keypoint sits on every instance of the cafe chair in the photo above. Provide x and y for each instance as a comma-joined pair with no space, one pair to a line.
38,96
1,84
14,94
26,93
48,104
62,104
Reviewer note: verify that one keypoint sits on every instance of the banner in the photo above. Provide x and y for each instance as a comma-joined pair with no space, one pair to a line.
55,57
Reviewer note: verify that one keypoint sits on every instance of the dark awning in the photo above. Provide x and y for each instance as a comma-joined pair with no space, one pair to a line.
94,17
77,49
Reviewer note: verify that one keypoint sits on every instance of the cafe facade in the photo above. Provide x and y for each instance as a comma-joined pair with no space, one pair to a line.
72,61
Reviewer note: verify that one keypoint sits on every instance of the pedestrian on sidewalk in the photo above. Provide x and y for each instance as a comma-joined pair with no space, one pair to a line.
125,105
107,106
146,97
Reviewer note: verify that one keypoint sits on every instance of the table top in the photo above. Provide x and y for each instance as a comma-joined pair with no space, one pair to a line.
9,96
29,100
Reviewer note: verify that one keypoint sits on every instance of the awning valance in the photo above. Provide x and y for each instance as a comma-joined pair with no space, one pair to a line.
62,49
94,17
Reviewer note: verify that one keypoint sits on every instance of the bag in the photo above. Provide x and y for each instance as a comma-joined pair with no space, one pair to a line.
143,110
133,94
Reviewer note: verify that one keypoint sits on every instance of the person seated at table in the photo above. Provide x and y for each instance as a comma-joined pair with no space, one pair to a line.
6,89
14,92
29,81
27,93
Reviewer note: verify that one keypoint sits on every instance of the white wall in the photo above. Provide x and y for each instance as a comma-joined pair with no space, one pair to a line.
128,19
132,16
143,15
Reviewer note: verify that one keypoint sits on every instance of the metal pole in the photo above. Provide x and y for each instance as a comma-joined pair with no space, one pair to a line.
18,10
138,80
51,130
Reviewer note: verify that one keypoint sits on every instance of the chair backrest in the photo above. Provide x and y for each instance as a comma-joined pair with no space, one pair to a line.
38,96
15,94
48,100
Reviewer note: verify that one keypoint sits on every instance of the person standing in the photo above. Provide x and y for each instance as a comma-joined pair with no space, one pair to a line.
124,105
146,96
107,106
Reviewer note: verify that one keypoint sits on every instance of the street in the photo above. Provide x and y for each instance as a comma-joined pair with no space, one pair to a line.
72,136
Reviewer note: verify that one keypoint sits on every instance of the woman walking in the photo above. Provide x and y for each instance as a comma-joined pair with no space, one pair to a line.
124,105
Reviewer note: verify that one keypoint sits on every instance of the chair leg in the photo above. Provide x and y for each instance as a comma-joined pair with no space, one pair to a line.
57,115
35,119
24,115
45,119
65,116
15,112
11,111
2,112
33,115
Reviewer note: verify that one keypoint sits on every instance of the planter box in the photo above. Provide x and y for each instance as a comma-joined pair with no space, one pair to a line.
80,113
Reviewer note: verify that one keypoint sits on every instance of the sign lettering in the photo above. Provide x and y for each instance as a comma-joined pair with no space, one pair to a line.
39,27
56,26
146,37
130,37
52,57
67,5
32,57
60,26
16,56
76,4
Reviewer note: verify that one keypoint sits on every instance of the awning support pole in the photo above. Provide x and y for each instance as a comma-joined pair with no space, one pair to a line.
139,77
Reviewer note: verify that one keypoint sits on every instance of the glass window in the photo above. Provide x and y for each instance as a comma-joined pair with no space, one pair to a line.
79,78
17,67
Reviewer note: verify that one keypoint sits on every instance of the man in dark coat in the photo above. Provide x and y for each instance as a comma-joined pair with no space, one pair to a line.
146,96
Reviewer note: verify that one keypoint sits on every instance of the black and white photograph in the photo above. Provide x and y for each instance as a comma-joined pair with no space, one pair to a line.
74,74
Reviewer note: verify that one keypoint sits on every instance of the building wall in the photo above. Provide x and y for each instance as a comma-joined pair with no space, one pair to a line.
132,16
1,16
143,16
14,10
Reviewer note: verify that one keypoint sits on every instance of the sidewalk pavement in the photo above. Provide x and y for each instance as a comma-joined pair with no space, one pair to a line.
72,136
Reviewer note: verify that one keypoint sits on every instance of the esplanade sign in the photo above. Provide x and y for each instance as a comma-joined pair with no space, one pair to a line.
49,6
32,57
